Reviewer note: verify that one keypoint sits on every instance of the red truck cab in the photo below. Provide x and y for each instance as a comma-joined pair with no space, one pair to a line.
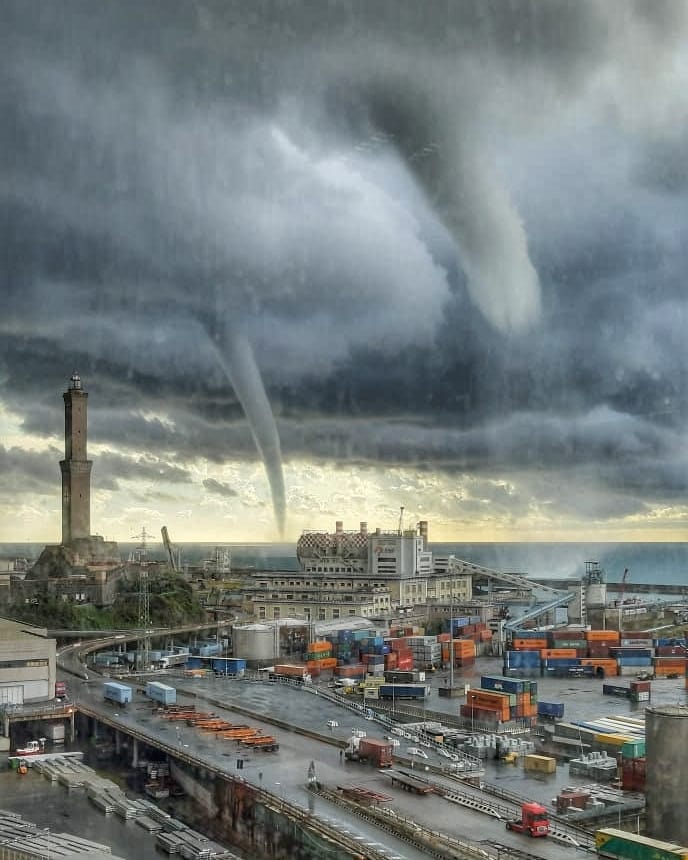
534,820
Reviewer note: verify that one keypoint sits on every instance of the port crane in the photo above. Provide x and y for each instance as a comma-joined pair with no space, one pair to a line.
174,553
622,587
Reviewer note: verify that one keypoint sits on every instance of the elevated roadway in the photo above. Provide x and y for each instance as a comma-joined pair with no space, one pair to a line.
284,775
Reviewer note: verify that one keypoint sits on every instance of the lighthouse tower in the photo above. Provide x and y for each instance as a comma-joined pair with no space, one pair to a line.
76,467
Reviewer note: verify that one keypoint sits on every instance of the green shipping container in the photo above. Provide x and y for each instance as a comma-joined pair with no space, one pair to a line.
633,749
621,845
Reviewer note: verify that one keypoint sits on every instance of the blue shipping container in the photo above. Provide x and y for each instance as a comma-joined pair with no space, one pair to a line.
550,709
119,693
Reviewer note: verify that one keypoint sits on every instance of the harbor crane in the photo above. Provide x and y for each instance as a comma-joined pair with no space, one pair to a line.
174,553
622,587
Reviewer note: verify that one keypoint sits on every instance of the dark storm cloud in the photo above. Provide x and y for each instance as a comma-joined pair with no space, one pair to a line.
219,488
469,213
26,471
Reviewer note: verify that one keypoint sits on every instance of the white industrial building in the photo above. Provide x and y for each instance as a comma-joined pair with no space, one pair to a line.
27,663
359,573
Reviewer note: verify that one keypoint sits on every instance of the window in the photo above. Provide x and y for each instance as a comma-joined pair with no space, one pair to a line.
261,612
336,613
276,612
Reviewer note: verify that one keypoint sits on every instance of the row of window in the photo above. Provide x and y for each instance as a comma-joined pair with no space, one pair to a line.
22,664
277,613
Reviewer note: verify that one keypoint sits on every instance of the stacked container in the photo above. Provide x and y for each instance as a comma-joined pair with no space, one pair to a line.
501,699
464,652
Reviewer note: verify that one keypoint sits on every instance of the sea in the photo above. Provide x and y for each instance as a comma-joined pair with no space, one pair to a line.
647,563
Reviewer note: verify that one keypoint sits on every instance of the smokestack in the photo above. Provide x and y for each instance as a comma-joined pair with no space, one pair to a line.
338,537
423,529
364,529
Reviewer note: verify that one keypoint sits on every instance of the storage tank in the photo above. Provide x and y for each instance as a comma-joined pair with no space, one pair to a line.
666,779
256,643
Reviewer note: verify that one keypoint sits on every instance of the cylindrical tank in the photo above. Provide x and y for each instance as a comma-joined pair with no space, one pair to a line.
666,774
255,642
364,528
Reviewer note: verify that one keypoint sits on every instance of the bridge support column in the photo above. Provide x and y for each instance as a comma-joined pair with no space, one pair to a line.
72,728
135,753
118,742
94,728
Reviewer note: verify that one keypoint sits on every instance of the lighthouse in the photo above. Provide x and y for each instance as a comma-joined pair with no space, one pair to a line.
76,467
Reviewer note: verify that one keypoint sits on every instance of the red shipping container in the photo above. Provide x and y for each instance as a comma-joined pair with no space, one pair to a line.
480,715
444,637
391,660
597,649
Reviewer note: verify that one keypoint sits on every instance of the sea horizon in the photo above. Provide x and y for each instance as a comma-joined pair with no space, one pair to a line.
647,562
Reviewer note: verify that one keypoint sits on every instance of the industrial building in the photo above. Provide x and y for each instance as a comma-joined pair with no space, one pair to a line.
27,663
359,573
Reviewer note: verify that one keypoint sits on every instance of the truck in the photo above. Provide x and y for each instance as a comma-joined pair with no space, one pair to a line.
60,690
120,694
534,820
377,752
161,693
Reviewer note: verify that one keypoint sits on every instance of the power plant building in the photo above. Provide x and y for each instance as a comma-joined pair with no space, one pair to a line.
358,573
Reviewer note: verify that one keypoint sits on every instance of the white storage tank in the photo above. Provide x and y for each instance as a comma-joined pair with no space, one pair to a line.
255,642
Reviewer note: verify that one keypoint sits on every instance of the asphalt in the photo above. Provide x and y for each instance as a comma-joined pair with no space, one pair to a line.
284,773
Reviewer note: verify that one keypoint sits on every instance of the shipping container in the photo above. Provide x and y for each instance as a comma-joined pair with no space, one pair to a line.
118,693
290,670
161,693
621,845
404,691
539,763
554,710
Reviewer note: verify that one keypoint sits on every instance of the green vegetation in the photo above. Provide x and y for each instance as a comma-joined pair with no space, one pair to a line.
172,604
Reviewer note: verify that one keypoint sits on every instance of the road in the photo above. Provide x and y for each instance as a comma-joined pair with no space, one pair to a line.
284,774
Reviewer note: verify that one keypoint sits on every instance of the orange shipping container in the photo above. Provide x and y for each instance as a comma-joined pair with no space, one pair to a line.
558,652
328,663
529,644
608,665
291,669
669,667
609,636
320,645
465,647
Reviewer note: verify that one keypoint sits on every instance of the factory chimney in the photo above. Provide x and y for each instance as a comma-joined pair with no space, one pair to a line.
364,529
423,530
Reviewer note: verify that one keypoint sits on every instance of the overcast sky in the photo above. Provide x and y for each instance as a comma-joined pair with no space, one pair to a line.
318,261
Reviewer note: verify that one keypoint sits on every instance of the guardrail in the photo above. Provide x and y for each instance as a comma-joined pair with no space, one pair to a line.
294,810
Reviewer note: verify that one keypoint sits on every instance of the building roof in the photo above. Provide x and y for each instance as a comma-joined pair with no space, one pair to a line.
19,630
